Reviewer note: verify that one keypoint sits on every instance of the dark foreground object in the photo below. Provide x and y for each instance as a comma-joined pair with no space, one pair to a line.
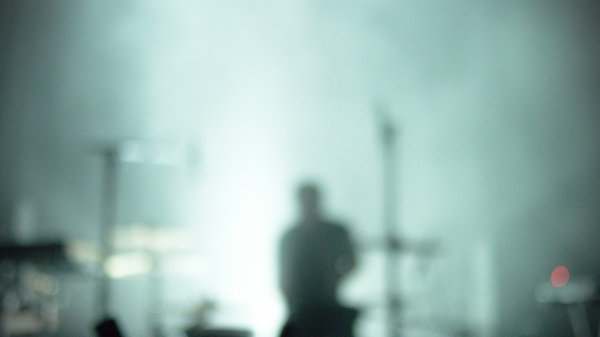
334,322
200,332
108,328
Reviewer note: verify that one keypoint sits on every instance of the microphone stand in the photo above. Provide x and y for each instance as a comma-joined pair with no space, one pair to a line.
392,243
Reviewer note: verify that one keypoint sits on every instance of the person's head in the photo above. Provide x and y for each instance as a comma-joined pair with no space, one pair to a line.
309,201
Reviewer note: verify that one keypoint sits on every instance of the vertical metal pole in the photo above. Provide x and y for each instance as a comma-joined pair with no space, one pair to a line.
390,199
109,218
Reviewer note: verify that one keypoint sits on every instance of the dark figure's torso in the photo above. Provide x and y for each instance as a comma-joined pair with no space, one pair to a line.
313,259
328,322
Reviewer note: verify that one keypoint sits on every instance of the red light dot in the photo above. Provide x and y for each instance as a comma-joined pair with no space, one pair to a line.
560,276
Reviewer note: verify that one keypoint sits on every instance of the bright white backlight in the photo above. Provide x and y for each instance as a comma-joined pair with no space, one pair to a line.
128,264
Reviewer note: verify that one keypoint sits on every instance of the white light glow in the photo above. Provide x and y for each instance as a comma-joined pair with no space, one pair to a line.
128,264
140,236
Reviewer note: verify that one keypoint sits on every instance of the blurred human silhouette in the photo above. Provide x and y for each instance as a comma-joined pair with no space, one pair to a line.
314,256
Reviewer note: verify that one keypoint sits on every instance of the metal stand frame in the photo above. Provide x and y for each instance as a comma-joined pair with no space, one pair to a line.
109,218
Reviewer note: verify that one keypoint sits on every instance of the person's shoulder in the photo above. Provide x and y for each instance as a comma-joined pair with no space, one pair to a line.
287,231
336,225
293,231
